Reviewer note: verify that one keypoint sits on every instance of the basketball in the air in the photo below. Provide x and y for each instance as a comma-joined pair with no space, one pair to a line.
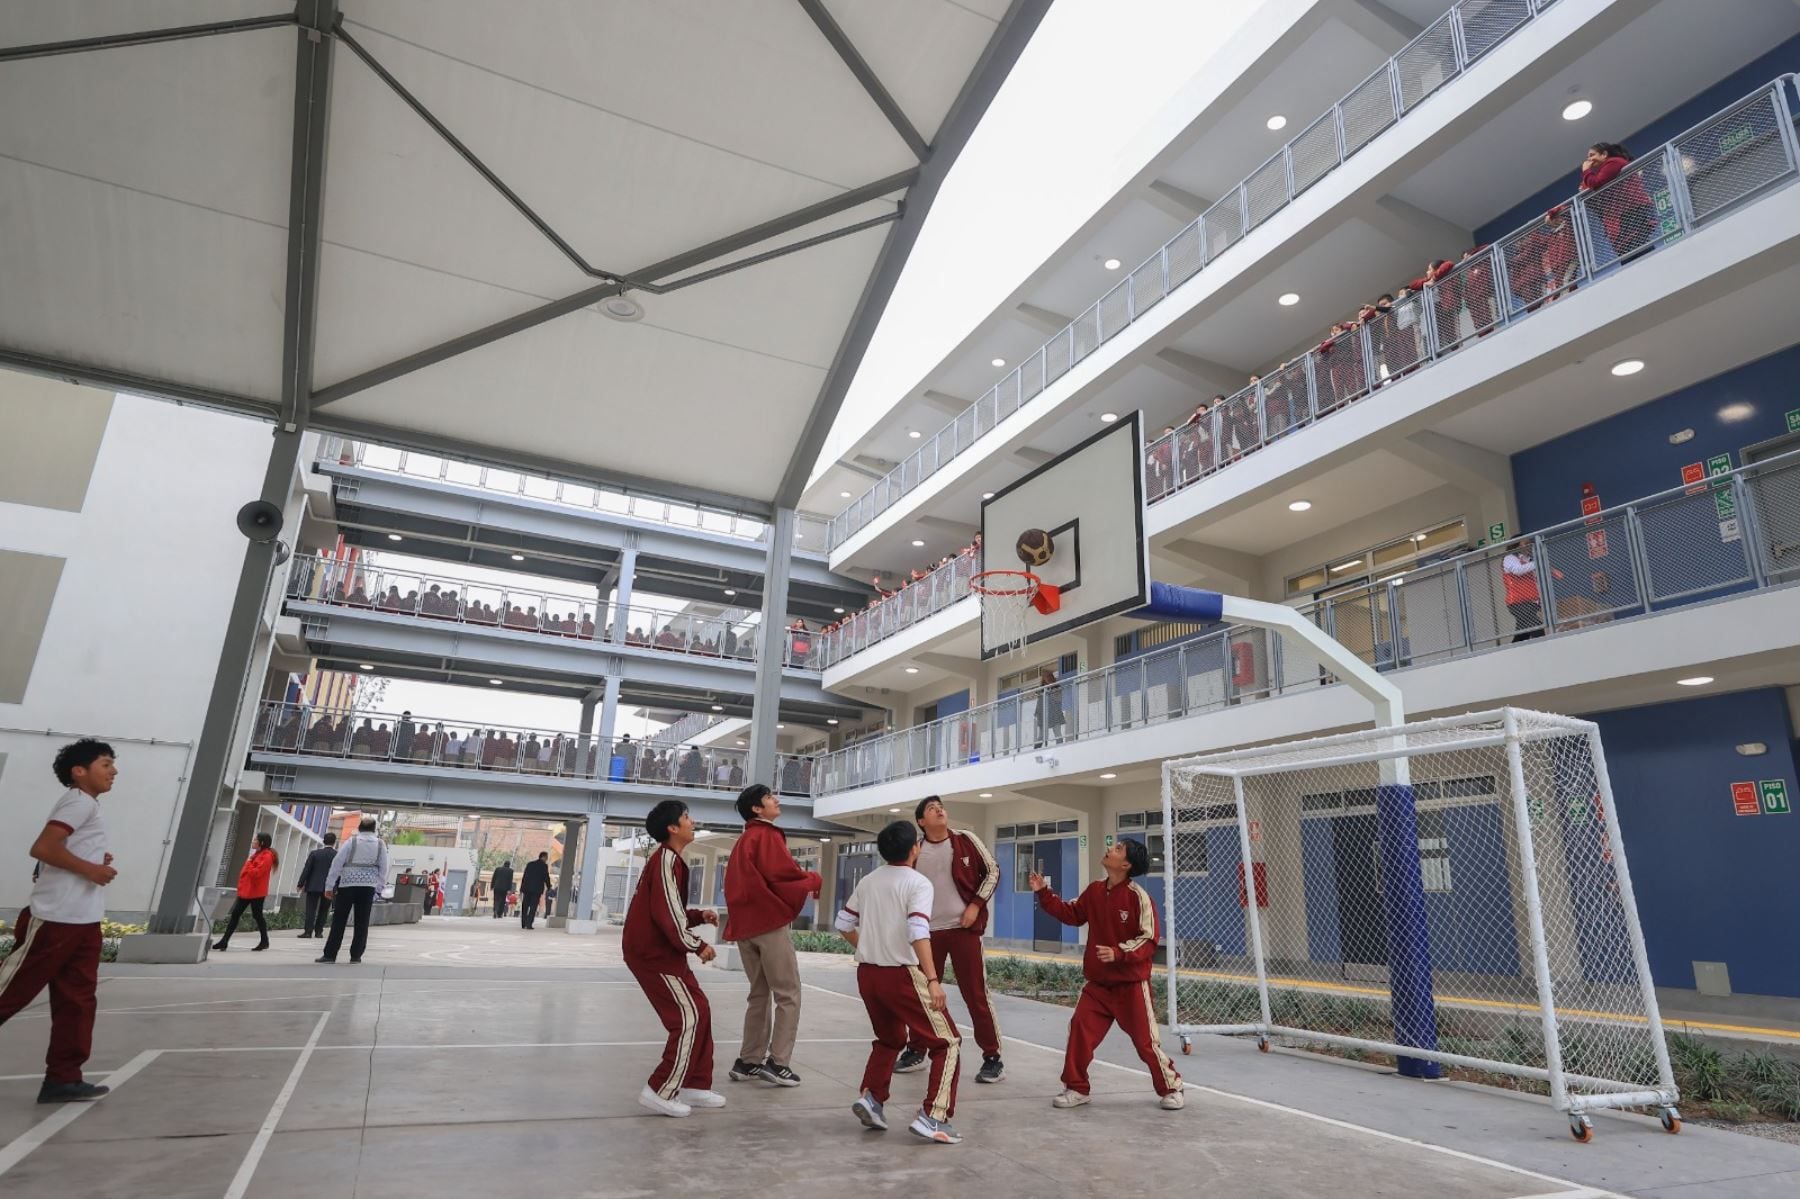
1035,547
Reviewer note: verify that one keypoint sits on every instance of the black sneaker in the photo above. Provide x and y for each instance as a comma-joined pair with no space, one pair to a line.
910,1059
781,1076
70,1092
992,1070
743,1071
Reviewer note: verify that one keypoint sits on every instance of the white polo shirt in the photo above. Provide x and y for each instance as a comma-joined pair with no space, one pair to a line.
890,909
61,895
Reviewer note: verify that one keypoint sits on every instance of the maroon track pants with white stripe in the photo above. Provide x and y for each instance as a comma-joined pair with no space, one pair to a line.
680,1004
962,948
65,958
900,1009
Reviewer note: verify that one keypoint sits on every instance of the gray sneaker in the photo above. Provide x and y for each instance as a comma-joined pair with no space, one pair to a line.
992,1069
910,1059
934,1130
869,1112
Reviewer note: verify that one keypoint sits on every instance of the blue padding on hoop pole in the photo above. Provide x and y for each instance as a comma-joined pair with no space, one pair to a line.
1169,602
1413,1007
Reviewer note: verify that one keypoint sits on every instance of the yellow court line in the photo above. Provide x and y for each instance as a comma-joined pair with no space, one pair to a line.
1307,984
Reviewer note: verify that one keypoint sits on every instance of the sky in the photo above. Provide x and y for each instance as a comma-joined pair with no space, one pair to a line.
1059,139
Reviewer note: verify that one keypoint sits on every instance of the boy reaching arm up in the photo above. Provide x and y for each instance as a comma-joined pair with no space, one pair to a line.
1121,921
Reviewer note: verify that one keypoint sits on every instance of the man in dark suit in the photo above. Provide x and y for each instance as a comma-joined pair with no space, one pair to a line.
532,885
311,883
502,888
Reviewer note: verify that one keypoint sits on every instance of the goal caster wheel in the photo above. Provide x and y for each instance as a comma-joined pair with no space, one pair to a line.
1671,1119
1581,1128
1262,1044
1187,1045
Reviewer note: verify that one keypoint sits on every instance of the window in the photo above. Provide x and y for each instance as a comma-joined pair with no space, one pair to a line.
696,871
1434,851
1386,559
1024,858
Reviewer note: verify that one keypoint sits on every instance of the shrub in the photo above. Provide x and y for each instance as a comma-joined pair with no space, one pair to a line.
820,942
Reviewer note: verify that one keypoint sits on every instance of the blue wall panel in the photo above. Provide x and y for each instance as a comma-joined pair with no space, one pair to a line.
1318,855
1472,923
1003,916
1711,885
1629,455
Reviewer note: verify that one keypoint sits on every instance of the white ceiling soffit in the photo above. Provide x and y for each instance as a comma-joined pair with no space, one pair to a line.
750,175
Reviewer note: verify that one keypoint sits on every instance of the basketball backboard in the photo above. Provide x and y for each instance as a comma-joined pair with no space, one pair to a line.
1091,502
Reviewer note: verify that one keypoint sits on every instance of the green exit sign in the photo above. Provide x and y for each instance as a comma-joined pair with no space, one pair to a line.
1774,797
1793,421
1496,532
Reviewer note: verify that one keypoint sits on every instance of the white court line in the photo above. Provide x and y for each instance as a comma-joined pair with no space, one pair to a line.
1566,1183
40,1074
66,1115
242,1180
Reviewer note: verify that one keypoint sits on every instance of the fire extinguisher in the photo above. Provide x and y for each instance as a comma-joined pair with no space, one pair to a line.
1243,664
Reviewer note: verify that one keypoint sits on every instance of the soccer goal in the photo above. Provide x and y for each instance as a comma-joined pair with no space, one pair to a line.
1451,892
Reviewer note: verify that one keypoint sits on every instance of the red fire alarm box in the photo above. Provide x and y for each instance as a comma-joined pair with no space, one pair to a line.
1243,663
1262,885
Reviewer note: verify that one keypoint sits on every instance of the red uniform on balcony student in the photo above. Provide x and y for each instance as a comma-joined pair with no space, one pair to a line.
1626,211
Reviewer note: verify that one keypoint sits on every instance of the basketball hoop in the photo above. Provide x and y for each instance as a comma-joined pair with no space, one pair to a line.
1006,597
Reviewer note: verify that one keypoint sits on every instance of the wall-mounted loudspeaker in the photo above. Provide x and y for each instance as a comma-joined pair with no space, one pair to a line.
259,520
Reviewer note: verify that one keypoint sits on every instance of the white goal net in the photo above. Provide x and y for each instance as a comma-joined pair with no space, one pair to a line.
1453,893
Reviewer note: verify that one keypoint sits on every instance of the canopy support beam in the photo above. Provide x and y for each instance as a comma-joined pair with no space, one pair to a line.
865,75
146,37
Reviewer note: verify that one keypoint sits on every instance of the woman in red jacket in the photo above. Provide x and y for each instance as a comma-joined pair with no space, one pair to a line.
252,889
1626,210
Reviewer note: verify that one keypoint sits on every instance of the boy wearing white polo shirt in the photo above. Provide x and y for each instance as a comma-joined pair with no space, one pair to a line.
57,941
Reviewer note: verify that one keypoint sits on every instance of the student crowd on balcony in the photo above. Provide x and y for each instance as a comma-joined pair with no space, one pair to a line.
969,555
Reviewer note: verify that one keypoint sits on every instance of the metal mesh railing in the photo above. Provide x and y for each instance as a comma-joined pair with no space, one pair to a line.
1437,55
906,607
373,587
1452,893
1734,532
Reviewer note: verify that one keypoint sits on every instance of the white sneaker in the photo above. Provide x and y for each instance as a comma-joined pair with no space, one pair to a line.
1070,1099
1173,1101
663,1107
693,1098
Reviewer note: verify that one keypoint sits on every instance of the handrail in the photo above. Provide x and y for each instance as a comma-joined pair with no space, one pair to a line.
360,585
1439,54
290,728
1734,532
886,616
1734,156
809,534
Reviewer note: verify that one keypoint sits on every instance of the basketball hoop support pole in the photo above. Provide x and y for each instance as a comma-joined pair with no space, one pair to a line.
1412,1004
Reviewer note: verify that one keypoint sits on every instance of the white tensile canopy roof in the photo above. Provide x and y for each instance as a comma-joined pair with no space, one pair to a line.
640,242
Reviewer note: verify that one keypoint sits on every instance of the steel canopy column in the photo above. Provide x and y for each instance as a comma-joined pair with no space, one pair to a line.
312,105
621,621
771,649
565,873
587,888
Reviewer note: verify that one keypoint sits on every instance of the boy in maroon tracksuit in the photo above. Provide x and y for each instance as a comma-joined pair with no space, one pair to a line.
1121,922
658,937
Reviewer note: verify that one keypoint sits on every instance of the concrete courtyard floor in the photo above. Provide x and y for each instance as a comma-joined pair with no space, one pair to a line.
469,1057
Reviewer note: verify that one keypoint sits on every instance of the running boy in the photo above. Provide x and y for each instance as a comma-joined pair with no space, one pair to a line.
888,919
1121,922
658,937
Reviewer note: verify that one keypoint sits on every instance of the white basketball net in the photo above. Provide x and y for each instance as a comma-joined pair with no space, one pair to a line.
1006,597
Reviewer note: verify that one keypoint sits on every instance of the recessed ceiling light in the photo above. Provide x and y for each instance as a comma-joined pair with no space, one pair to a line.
741,741
717,708
781,726
1699,680
518,557
825,840
493,682
839,611
843,495
1577,109
1299,505
914,433
999,362
393,536
1731,414
987,495
1111,264
729,591
1681,436
912,670
917,544
622,308
1109,775
893,809
368,666
1276,122
987,795
1630,366
1288,299
1107,418
832,720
